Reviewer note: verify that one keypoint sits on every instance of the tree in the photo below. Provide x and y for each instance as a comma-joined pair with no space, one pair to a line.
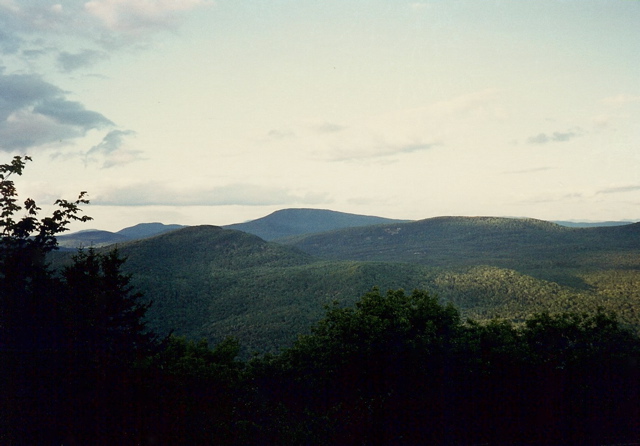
24,275
401,368
69,342
103,314
374,373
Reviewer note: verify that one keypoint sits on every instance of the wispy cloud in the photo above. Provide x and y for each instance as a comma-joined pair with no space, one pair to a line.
621,99
418,6
529,170
619,189
280,134
134,16
545,138
111,151
328,127
381,149
553,198
245,194
85,58
466,103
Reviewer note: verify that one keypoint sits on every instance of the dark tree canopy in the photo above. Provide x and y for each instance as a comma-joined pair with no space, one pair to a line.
402,368
69,342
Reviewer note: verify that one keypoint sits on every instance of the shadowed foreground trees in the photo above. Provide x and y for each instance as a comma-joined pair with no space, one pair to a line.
403,369
70,342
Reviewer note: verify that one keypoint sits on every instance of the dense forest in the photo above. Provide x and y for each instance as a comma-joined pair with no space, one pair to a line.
81,364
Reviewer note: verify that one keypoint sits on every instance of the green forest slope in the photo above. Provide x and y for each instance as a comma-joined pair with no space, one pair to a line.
210,282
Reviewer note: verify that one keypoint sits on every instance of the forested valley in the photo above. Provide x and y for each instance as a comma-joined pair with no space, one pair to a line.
87,359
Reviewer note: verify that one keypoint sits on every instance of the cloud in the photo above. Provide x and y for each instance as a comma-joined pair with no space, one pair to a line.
109,24
466,103
34,113
70,113
379,149
85,58
551,197
133,16
159,194
544,138
620,189
9,42
328,127
530,170
111,150
621,99
280,134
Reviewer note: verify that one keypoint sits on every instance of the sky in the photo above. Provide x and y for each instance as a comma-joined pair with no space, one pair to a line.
218,112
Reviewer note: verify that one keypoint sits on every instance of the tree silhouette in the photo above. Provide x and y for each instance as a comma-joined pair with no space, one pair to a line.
69,341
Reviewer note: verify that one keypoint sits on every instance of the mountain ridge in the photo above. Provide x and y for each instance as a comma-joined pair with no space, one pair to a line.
296,221
212,282
98,238
445,240
281,225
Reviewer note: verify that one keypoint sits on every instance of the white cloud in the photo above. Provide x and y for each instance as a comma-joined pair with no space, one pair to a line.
112,151
245,194
528,170
379,149
138,15
466,103
621,99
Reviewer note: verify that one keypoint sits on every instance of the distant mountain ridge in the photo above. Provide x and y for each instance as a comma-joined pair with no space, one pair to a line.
441,241
591,224
280,225
207,281
292,222
98,238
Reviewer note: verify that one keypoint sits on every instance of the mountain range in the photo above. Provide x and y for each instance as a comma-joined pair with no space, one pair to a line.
97,238
278,225
211,282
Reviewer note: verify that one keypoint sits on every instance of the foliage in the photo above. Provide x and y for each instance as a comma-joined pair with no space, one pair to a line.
192,392
403,369
69,343
29,232
104,314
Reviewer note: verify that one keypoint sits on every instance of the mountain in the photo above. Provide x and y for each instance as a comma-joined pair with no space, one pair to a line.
291,222
97,238
94,238
143,230
589,224
210,282
448,241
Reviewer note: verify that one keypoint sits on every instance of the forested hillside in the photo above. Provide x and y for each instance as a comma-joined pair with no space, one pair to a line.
212,282
454,241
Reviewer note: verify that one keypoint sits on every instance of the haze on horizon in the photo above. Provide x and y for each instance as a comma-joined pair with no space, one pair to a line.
217,112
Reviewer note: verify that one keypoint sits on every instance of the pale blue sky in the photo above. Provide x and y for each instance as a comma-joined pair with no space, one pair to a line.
203,112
